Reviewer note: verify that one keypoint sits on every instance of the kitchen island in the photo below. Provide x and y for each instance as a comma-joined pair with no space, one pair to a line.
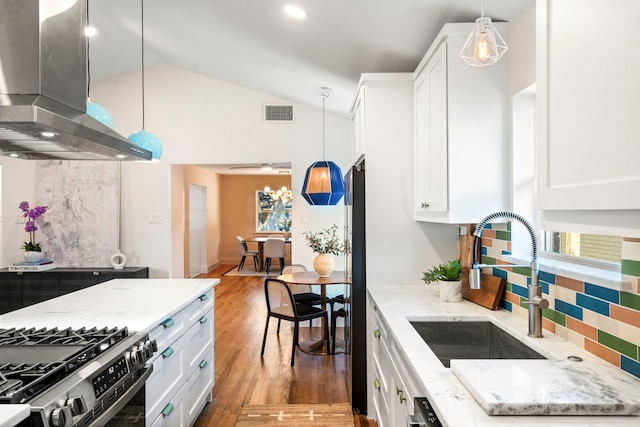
177,313
402,366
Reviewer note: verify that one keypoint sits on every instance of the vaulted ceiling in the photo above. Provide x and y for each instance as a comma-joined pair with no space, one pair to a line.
254,44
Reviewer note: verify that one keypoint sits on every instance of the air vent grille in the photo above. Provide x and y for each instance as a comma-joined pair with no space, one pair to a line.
278,113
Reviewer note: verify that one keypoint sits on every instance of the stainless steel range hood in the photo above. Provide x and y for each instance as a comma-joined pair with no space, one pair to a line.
43,86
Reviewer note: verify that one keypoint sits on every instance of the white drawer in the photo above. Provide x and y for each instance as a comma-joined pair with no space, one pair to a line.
381,410
199,388
201,305
167,377
199,340
170,329
172,414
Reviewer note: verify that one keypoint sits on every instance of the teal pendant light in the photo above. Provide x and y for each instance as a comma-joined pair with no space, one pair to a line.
142,138
323,182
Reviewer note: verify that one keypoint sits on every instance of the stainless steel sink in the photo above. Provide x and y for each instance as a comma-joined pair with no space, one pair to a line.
471,340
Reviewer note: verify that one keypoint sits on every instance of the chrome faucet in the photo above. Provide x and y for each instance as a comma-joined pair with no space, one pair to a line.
536,302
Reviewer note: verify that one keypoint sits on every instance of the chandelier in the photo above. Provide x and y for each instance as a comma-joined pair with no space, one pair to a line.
283,194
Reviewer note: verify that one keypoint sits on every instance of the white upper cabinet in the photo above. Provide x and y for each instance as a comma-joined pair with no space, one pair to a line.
588,110
460,135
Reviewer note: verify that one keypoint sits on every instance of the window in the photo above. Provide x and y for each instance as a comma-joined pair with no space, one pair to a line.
590,246
273,214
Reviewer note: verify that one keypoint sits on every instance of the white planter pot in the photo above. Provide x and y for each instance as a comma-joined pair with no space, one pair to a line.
32,256
324,264
450,291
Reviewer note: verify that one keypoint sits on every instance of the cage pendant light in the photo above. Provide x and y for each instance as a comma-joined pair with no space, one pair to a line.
142,138
484,46
323,182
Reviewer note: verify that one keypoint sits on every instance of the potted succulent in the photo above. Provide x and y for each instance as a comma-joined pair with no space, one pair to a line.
448,275
325,243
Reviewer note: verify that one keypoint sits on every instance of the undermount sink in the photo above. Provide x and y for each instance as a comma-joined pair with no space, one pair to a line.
471,340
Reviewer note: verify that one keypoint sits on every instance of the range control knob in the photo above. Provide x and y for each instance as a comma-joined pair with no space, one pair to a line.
150,347
137,356
62,417
77,404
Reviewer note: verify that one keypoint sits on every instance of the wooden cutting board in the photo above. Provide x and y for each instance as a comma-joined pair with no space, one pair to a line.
491,287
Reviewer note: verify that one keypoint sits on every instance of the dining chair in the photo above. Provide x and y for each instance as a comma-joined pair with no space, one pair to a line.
282,306
341,312
301,293
274,247
242,247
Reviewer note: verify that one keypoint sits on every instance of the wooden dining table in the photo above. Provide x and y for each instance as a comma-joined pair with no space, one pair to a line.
260,241
316,345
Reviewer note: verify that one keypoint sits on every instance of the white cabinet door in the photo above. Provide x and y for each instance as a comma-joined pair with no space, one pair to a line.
431,134
358,125
587,105
460,133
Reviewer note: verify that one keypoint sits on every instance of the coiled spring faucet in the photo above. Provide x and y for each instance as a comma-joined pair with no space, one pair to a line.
536,302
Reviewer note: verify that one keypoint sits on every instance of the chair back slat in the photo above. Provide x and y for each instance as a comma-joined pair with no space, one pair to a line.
297,268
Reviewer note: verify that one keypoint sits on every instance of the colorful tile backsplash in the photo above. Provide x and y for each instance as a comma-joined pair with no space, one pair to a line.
603,321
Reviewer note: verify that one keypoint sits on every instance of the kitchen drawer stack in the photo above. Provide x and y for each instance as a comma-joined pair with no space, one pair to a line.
182,378
390,381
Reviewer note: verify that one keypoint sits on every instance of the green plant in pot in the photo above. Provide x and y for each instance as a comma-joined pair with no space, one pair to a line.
448,275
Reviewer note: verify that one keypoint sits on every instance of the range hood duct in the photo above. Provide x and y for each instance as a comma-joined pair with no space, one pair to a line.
43,86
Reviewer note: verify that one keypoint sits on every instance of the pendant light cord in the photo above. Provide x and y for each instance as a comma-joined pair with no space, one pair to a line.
323,98
88,56
482,8
142,38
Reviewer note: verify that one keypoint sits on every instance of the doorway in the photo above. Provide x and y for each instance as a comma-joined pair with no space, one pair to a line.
197,230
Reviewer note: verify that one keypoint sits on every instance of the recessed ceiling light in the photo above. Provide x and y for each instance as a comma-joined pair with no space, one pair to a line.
47,134
295,11
90,31
13,155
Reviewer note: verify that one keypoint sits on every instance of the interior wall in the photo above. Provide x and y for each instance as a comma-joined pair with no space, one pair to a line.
238,209
199,121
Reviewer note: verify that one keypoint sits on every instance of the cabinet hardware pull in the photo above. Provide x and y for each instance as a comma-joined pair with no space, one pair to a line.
377,333
96,273
167,353
398,390
167,410
376,383
168,323
203,297
203,364
203,320
402,398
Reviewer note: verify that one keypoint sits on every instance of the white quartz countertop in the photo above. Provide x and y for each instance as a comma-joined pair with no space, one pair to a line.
10,415
453,402
138,304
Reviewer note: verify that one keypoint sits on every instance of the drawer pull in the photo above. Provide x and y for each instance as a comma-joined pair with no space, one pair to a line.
398,391
377,333
377,384
96,273
203,364
167,410
402,398
203,320
168,323
167,353
203,298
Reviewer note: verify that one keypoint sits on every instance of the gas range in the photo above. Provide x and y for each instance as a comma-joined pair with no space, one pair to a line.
78,377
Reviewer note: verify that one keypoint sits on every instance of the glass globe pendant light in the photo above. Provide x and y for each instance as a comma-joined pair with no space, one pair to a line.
323,182
143,138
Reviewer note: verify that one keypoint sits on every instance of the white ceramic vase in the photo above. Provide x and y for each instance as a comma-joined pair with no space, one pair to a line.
32,256
324,264
450,291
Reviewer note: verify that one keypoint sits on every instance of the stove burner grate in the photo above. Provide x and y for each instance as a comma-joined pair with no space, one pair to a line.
32,360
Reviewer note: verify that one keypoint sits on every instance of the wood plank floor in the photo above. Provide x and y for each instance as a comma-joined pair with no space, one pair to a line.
242,377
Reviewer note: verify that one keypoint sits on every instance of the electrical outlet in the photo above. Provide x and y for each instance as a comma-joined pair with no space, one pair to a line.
155,218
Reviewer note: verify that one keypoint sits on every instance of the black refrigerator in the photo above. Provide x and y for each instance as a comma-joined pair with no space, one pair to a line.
356,268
